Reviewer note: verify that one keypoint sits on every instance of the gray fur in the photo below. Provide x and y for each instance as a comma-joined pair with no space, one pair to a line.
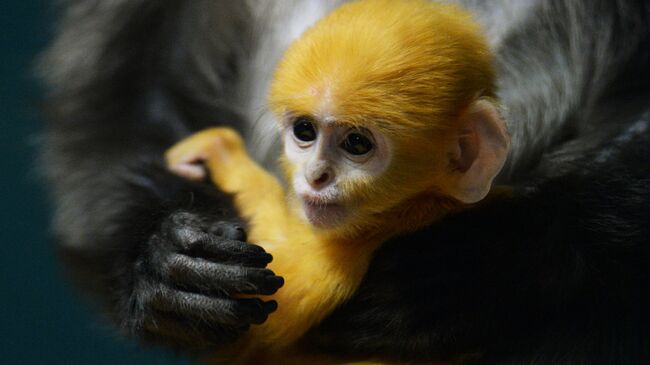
556,65
562,54
128,78
221,54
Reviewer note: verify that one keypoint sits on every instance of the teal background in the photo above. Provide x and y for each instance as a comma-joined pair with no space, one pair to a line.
43,320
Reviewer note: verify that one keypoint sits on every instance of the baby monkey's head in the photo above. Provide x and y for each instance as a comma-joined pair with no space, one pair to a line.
383,101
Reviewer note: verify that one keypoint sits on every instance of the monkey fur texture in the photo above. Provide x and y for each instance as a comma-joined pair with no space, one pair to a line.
556,273
412,79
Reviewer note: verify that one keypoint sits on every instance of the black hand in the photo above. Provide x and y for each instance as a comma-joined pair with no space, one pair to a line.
186,279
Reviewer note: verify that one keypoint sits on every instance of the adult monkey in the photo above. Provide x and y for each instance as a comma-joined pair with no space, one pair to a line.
557,273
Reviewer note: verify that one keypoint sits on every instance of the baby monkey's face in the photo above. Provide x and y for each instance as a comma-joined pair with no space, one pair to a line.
330,165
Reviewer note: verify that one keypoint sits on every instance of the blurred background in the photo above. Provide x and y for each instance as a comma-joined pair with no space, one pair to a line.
43,320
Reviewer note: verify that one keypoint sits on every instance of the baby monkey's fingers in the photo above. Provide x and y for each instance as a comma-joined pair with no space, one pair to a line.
186,159
215,145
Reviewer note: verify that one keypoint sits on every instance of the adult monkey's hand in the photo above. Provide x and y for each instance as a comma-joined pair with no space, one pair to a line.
171,273
186,279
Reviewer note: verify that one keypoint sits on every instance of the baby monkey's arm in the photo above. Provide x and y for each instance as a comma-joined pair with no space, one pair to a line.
258,194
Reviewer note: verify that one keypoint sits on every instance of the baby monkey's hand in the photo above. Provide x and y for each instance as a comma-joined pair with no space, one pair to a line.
218,149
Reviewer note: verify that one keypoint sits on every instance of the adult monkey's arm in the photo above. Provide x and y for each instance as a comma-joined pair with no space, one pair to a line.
161,255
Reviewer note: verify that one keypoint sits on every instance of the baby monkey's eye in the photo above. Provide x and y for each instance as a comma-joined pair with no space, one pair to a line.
357,144
303,129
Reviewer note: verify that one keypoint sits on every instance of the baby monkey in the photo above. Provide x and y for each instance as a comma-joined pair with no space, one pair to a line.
388,120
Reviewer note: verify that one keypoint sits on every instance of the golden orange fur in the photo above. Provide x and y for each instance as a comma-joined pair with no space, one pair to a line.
408,67
407,63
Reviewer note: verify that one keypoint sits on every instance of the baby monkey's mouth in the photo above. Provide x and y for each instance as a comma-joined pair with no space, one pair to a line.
323,213
313,199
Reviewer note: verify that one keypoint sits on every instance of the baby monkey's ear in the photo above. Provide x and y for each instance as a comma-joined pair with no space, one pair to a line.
477,152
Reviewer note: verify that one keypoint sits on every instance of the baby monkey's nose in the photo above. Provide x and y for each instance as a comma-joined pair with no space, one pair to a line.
319,179
322,179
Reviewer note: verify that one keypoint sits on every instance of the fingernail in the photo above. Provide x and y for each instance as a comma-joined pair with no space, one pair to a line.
270,306
276,281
